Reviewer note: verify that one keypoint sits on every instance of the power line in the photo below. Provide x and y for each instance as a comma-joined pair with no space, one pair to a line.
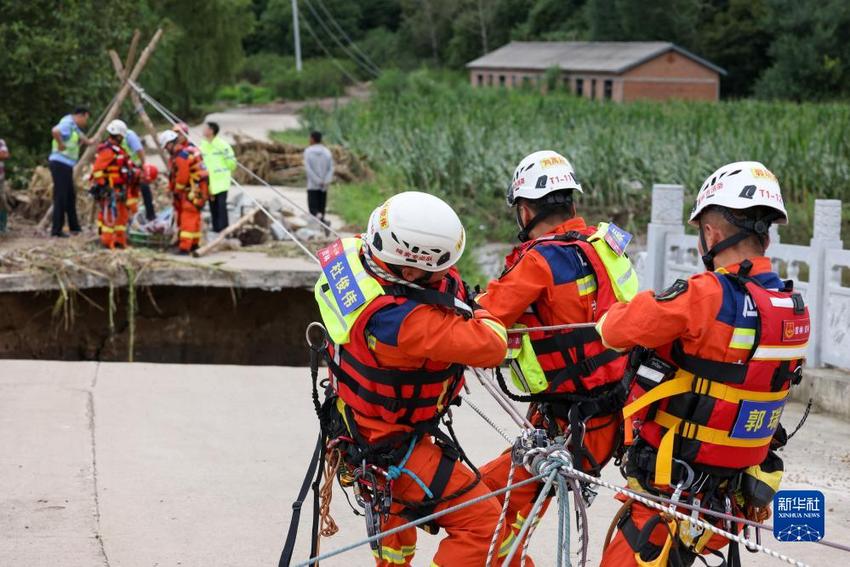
345,71
365,66
353,45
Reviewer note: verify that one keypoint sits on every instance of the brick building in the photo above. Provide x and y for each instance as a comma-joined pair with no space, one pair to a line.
614,70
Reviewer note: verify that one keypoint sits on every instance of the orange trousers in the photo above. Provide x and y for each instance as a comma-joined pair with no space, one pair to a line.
601,440
112,223
134,194
188,222
620,554
469,530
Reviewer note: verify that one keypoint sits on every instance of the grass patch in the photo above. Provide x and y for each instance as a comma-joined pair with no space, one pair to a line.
294,136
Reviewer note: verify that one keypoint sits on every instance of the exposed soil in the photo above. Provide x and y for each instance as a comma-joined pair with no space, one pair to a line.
172,324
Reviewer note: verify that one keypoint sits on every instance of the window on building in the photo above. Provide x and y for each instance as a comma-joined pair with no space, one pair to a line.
480,80
580,87
593,89
608,89
567,84
490,79
501,80
526,82
513,80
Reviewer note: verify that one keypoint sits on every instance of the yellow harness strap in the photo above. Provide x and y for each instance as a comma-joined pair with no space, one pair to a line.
686,382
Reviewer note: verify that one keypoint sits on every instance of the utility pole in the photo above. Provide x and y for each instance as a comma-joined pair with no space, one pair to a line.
296,35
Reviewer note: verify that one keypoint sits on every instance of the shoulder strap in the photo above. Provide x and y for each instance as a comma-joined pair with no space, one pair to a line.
430,297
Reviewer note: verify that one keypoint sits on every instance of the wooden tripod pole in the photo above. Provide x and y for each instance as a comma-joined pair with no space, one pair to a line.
88,155
138,106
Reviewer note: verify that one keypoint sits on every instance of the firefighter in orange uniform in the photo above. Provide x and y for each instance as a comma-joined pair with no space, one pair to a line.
111,175
563,272
189,183
401,330
727,344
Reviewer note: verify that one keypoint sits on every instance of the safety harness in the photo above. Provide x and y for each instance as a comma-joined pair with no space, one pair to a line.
419,399
571,376
731,464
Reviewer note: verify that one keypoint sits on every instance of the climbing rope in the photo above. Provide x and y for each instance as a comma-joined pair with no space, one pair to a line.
418,522
546,328
468,401
174,120
327,523
491,552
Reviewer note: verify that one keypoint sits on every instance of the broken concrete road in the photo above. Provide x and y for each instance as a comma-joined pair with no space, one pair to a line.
143,465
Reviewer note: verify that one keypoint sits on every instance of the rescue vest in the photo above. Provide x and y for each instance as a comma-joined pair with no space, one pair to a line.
575,361
72,145
723,414
197,190
348,295
117,172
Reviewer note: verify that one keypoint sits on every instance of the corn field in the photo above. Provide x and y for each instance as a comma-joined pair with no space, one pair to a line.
462,143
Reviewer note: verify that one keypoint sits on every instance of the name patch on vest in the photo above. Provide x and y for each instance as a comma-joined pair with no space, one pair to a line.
341,278
617,238
757,420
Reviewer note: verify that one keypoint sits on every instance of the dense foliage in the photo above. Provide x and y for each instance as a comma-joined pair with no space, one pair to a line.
53,54
462,143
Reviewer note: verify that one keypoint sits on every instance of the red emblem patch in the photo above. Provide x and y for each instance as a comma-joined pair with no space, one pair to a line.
795,331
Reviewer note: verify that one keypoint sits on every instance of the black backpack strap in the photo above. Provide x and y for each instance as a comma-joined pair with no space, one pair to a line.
429,296
289,545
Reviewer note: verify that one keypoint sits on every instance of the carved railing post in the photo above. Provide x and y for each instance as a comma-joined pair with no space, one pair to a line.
667,205
826,235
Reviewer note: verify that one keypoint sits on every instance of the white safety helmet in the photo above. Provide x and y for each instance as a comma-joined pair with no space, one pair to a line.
166,137
416,229
539,174
737,187
117,128
740,185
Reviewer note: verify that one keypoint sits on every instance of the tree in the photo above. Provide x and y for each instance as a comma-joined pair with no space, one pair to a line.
737,37
811,52
53,56
201,50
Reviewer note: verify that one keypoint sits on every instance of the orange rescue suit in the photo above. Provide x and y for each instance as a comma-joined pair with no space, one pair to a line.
110,176
733,340
189,184
406,335
558,284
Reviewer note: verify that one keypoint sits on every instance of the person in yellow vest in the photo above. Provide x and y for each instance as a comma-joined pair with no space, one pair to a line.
220,160
65,151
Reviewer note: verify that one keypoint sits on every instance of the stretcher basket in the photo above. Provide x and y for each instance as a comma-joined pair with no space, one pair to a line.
157,233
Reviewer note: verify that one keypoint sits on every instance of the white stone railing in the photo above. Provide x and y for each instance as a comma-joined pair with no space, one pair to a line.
818,269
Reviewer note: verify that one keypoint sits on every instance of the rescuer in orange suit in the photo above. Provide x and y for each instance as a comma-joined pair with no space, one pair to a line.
111,175
705,405
400,332
563,272
189,183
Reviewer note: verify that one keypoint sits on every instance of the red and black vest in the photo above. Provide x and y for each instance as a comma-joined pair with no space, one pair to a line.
408,396
723,415
574,361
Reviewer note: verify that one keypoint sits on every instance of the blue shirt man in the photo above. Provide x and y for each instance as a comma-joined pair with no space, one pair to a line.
65,152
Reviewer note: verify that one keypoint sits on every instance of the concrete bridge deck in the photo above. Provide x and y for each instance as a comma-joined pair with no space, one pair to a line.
143,465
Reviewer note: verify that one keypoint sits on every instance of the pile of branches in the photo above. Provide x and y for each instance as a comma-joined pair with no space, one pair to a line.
283,164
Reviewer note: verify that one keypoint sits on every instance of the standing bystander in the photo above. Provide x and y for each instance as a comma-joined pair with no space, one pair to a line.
67,139
4,209
220,160
319,166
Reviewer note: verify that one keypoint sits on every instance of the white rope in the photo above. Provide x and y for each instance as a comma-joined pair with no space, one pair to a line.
491,552
174,120
423,520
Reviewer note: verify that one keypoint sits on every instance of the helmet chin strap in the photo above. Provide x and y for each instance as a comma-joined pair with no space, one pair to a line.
524,233
749,227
